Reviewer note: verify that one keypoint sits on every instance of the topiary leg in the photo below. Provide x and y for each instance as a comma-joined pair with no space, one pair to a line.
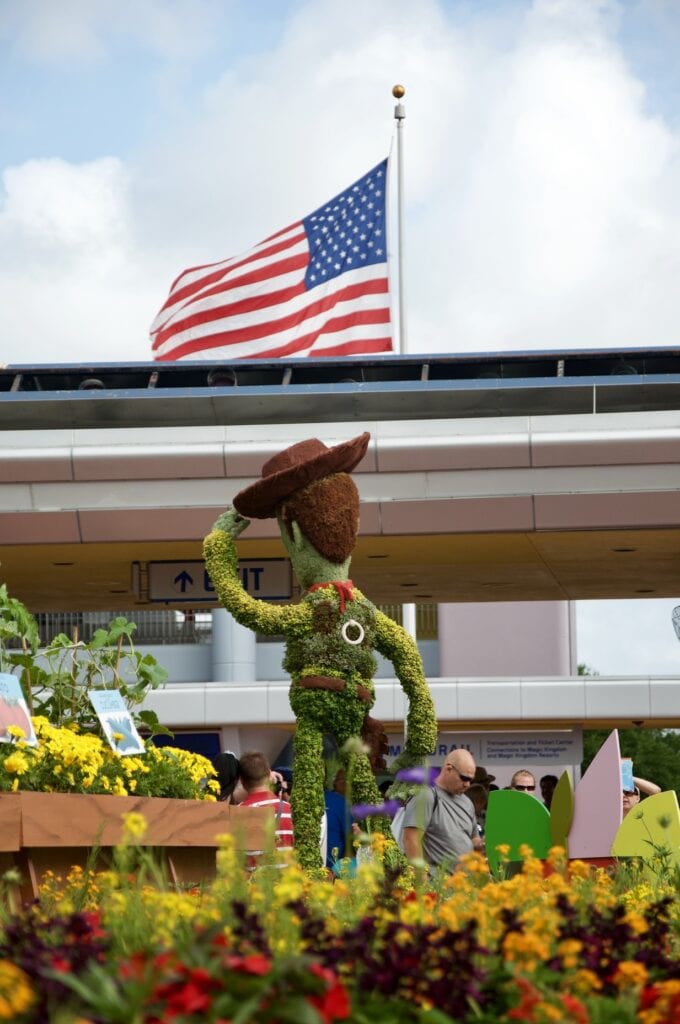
363,789
307,800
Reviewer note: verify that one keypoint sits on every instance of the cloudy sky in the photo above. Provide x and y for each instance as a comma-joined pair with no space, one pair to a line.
542,166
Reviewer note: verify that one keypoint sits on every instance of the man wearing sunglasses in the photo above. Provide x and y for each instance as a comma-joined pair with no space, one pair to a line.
523,781
439,822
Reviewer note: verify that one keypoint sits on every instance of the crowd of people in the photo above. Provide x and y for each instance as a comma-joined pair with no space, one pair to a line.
250,781
437,826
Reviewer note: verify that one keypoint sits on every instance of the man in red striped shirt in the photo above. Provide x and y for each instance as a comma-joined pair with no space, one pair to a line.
255,776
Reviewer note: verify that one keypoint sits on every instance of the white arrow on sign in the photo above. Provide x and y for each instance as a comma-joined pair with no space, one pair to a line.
179,582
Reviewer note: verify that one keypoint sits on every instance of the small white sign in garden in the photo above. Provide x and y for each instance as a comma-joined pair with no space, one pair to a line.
15,719
116,721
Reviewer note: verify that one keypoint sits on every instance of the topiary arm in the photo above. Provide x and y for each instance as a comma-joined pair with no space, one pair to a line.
221,561
394,643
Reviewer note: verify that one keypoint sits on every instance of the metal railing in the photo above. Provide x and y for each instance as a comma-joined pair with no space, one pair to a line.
154,626
163,626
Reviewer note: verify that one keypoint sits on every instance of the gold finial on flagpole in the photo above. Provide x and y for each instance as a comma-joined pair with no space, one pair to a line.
398,91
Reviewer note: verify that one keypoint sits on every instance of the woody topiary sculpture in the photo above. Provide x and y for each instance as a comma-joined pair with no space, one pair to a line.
332,633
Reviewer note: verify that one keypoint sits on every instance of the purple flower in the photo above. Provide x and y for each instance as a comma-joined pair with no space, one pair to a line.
388,809
425,776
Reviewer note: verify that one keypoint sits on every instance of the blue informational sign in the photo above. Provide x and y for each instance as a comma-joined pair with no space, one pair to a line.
188,582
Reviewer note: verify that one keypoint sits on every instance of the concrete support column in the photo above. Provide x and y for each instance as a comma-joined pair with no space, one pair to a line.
519,638
233,649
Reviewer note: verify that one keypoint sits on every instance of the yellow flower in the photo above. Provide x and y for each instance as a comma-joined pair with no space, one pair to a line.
135,825
16,994
579,869
16,732
586,981
568,950
630,974
636,922
16,763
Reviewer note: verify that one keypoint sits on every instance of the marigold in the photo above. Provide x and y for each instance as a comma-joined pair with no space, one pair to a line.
630,974
16,763
135,825
16,994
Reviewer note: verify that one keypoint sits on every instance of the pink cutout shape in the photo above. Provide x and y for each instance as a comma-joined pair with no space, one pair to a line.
598,811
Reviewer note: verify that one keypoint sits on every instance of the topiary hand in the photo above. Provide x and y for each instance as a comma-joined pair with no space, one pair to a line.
231,522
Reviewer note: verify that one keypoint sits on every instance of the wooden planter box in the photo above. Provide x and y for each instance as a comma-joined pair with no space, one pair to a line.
42,832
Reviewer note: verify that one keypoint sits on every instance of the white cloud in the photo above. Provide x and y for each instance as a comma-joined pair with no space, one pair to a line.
542,208
64,208
71,287
87,31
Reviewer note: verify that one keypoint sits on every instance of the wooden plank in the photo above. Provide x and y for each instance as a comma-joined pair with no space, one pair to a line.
10,822
77,820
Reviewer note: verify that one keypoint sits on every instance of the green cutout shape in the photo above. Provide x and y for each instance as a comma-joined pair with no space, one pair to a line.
513,819
562,811
654,822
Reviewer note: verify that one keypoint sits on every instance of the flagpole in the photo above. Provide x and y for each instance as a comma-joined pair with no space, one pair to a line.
408,611
400,116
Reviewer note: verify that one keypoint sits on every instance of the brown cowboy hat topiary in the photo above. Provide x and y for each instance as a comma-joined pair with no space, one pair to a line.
297,467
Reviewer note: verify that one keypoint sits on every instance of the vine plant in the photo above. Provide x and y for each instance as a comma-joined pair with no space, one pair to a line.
57,679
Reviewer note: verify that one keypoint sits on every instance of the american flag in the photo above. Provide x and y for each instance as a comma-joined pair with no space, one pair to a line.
316,288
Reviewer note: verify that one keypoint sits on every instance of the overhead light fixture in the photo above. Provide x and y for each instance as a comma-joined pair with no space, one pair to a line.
222,377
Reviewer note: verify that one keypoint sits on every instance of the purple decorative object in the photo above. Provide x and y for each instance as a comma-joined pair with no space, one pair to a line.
425,776
388,809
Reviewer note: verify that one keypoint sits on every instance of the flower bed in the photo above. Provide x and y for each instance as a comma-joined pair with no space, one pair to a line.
69,760
51,832
583,944
63,798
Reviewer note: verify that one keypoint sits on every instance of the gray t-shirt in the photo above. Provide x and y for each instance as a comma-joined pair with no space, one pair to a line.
448,824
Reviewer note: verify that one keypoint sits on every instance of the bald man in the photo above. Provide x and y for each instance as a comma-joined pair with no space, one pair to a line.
440,823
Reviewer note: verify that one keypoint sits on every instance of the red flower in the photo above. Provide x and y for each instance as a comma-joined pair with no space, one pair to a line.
575,1007
530,996
251,964
94,919
189,999
199,976
133,967
667,1003
61,965
162,960
333,1004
